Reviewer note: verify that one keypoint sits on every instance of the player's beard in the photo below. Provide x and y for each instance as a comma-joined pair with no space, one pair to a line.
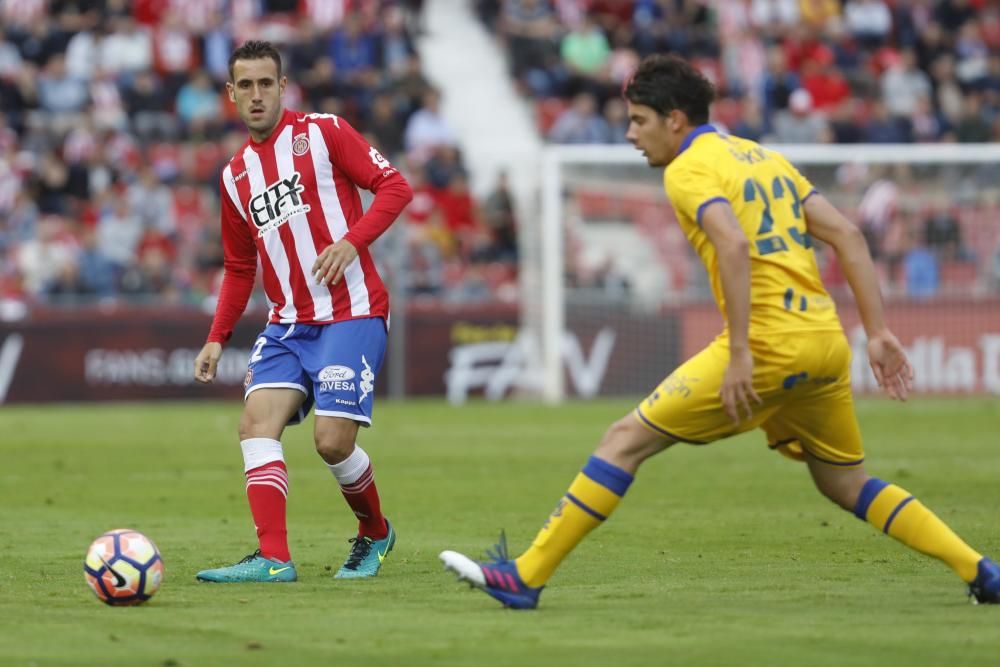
264,123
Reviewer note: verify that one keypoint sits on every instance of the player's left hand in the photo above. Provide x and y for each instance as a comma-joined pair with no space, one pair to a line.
737,386
330,265
888,361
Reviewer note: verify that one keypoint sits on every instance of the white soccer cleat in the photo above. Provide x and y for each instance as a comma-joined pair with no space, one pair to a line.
466,568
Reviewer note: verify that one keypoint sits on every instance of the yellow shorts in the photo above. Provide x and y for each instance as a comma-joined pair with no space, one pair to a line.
803,379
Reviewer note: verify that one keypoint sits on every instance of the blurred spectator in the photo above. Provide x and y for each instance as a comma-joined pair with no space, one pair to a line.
948,93
903,85
883,128
931,45
197,101
45,258
972,55
580,123
499,218
846,123
58,90
354,50
118,233
819,13
953,14
773,18
928,125
920,267
324,88
216,45
461,217
751,125
174,51
152,202
395,44
530,29
10,57
877,210
868,21
779,82
50,185
427,129
95,274
585,51
799,124
972,125
826,85
616,117
386,127
942,233
151,276
444,163
148,107
127,49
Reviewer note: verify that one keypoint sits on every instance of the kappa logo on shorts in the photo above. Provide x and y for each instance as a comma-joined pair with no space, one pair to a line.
367,379
248,380
337,378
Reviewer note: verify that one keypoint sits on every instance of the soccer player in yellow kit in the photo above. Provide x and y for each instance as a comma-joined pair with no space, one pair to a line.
782,363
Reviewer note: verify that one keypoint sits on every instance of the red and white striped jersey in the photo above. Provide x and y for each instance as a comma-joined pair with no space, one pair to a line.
285,200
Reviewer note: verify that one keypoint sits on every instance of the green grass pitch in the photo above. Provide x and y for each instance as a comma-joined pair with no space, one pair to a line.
721,555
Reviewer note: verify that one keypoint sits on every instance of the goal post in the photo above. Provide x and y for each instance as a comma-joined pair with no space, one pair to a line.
610,248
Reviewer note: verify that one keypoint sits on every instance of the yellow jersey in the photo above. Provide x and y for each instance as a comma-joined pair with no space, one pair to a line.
766,194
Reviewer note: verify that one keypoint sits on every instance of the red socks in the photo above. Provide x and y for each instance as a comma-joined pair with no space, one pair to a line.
267,491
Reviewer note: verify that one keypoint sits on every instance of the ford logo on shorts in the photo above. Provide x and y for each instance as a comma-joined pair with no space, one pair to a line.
332,373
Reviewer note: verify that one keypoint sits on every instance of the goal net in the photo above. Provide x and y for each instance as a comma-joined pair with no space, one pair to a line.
620,298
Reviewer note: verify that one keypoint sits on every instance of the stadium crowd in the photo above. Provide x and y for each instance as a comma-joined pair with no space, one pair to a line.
790,71
114,122
794,71
115,126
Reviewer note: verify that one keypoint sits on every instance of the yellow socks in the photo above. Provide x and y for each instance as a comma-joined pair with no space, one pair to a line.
593,495
895,512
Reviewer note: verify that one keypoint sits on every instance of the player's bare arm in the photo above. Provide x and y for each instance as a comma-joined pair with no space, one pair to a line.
331,264
733,251
207,361
885,353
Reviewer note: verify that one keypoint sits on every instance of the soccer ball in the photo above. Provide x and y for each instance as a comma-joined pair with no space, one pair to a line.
123,567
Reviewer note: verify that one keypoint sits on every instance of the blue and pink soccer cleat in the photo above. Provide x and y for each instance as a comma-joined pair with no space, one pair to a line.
985,588
497,578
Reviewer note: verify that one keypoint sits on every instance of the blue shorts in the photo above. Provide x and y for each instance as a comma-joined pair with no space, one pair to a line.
334,365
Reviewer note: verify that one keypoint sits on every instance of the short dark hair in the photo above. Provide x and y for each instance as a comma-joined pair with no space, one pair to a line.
255,50
666,82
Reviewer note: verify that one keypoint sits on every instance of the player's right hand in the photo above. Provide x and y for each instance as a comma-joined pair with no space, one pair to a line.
206,362
889,364
737,390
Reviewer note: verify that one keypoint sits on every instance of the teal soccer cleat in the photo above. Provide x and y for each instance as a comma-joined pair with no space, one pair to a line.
366,555
985,588
253,568
498,578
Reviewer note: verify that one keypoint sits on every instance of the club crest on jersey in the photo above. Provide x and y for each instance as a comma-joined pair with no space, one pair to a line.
300,145
277,204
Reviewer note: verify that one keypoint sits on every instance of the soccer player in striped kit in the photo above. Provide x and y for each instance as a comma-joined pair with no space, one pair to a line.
290,200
